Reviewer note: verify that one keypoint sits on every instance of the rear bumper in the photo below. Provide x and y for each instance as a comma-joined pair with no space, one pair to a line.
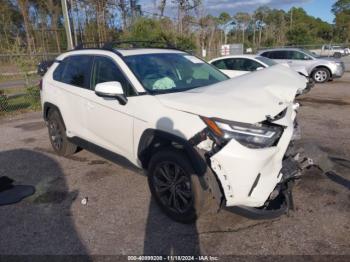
339,71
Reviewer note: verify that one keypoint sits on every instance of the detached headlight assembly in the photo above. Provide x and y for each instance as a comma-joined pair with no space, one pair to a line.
252,136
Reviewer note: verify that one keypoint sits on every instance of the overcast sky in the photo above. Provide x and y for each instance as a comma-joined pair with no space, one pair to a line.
317,8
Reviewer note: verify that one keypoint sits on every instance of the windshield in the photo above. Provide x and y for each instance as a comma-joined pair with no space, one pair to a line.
266,60
312,54
172,72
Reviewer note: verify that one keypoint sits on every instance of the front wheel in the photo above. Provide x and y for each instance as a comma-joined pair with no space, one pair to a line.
321,75
175,186
337,55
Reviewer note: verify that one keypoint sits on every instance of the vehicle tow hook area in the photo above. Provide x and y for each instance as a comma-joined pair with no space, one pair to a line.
279,203
281,198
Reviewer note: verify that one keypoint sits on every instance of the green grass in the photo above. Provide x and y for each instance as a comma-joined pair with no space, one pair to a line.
14,90
21,102
29,101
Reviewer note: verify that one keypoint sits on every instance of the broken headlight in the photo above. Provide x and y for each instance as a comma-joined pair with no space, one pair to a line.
253,136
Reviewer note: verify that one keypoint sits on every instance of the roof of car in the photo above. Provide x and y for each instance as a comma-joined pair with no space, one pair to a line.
280,49
123,52
234,56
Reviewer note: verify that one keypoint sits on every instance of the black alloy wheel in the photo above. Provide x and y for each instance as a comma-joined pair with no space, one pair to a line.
173,187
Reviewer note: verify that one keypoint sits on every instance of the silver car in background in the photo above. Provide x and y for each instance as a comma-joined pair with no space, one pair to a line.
321,69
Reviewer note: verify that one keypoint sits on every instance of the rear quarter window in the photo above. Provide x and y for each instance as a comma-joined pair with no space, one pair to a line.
266,54
220,64
57,73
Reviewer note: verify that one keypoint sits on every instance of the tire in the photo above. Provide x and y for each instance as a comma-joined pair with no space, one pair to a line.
337,55
321,75
57,134
167,188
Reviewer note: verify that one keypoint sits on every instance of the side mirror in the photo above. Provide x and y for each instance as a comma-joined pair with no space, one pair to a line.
259,68
306,58
111,90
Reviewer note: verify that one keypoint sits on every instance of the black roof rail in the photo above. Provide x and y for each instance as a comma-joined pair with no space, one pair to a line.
90,45
139,44
114,46
125,44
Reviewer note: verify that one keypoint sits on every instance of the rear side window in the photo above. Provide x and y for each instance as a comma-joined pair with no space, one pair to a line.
238,64
276,55
220,64
74,70
105,70
57,74
266,54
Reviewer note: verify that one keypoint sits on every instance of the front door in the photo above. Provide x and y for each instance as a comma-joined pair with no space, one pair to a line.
109,123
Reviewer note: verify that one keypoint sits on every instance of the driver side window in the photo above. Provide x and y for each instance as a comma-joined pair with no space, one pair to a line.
295,55
105,70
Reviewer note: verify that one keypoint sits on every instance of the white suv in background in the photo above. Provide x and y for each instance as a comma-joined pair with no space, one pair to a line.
190,127
237,65
321,69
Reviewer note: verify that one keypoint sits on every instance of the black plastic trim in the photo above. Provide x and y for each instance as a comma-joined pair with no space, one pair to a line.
254,184
48,106
150,136
258,214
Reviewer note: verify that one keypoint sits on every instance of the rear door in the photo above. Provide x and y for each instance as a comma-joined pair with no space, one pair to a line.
72,79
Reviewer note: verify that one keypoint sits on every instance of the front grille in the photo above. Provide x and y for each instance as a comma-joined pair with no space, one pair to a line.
278,116
343,65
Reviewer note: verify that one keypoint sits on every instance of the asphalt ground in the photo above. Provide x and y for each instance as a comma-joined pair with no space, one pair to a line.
120,217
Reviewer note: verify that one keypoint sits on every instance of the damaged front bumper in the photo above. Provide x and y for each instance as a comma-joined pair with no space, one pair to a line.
280,200
256,182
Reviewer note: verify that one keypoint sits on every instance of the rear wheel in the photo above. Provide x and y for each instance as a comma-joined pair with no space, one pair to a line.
175,186
57,134
321,75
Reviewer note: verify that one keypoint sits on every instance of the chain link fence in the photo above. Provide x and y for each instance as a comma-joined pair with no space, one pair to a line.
19,82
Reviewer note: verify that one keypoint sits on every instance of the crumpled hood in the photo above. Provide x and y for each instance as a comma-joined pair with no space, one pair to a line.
248,98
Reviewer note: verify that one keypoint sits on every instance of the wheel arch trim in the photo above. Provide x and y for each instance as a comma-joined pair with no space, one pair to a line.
322,66
48,106
148,138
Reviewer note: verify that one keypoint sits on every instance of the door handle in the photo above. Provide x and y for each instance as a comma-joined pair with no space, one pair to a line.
290,62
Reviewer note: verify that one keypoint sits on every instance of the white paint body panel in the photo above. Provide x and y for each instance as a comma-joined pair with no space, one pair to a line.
238,166
248,98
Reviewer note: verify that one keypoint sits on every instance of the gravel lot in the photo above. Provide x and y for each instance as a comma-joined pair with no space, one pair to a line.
121,218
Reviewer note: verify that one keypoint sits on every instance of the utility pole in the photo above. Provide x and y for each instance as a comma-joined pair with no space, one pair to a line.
75,27
291,18
67,24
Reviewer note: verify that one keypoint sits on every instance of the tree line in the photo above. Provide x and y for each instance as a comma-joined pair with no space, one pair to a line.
37,26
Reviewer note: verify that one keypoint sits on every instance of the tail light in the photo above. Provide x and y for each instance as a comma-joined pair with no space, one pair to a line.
41,84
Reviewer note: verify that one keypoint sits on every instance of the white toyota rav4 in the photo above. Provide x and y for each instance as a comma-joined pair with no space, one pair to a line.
196,132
